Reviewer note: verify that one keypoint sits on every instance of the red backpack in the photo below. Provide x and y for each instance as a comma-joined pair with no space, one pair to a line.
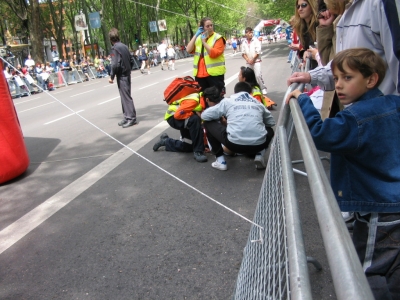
179,88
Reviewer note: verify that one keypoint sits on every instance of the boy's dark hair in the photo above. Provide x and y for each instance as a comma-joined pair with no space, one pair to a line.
213,94
113,35
242,87
363,60
248,29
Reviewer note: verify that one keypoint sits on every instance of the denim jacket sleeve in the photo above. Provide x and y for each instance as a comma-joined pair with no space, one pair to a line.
335,135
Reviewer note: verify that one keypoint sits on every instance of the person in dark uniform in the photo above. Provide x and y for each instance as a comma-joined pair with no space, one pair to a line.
121,68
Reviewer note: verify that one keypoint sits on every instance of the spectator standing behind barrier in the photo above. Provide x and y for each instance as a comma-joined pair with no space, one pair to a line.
304,24
247,128
380,36
184,115
121,68
251,52
209,60
171,57
364,142
162,49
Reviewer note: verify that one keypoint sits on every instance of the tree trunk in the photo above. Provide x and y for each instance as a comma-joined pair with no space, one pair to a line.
36,32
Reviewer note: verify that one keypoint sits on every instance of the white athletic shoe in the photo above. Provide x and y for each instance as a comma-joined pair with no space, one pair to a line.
264,92
259,161
220,166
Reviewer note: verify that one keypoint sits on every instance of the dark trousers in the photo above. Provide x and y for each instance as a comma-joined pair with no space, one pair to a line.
206,82
217,135
190,129
376,238
124,87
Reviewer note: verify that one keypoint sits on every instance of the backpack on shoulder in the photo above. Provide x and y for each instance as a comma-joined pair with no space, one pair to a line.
181,87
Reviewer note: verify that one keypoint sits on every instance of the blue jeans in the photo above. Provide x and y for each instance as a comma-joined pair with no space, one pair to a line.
290,55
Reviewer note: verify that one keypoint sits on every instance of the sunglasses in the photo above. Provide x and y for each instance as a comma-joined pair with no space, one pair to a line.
303,5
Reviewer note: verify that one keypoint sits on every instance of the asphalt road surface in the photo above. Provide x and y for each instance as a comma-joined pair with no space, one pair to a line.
92,219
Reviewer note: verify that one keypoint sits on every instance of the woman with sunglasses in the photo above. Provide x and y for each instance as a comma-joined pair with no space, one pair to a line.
247,74
304,24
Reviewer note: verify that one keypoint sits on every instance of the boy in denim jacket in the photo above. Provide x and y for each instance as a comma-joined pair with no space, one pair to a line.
364,142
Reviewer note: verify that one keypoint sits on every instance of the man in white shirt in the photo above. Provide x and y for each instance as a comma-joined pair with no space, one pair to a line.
29,62
162,49
251,52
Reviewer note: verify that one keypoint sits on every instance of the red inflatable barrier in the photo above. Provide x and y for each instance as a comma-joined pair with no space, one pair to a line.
14,159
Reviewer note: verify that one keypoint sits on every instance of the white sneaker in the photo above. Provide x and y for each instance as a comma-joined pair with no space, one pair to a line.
259,161
148,72
219,166
264,92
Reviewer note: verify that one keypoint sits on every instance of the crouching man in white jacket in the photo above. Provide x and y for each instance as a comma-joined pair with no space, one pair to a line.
240,123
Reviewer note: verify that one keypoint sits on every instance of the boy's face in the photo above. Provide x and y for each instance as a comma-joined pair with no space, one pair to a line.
350,85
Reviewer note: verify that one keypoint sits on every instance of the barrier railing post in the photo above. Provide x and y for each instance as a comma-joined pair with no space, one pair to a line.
347,274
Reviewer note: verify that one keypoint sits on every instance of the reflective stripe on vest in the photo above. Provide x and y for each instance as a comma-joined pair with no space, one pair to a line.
173,107
214,66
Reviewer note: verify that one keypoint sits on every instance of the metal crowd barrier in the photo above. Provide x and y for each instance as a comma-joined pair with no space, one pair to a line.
277,267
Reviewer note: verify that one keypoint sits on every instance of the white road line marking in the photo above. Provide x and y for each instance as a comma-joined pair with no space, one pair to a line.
61,92
148,85
232,78
36,107
63,117
188,71
92,83
108,85
108,100
170,78
26,101
82,93
17,230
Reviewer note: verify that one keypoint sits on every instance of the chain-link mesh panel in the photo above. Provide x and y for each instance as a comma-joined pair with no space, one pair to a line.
264,271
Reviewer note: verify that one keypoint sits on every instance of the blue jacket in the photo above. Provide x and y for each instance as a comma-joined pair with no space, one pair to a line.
364,142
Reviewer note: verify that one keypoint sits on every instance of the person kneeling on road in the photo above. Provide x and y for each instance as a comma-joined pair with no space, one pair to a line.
245,126
184,115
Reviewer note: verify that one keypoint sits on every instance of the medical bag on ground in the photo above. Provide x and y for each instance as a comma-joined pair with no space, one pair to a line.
179,88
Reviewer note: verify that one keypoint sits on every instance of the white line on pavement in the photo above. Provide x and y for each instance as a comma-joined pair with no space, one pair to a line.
36,107
188,71
232,78
17,230
92,83
108,101
61,92
148,85
82,93
63,117
26,101
170,78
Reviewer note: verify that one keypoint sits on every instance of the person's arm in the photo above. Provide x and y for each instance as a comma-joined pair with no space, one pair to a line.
334,135
214,112
268,119
185,109
217,49
326,48
191,46
386,24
